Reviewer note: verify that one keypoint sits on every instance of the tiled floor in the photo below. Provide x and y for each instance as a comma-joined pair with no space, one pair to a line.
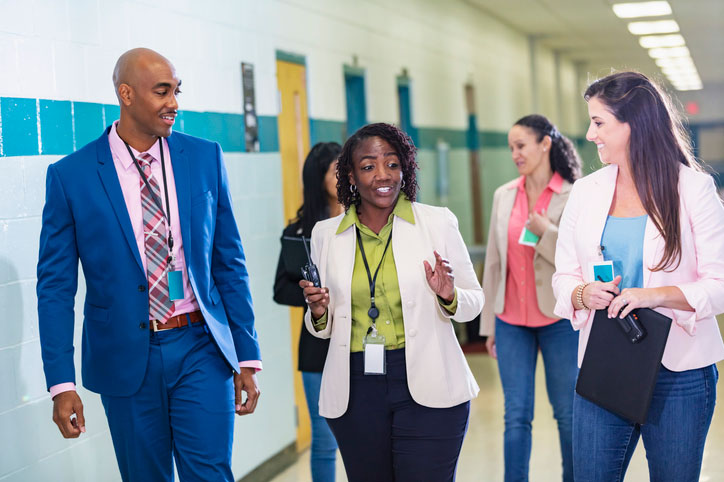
482,454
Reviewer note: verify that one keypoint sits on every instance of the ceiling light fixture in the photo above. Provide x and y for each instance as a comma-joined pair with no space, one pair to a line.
641,9
669,52
656,41
655,27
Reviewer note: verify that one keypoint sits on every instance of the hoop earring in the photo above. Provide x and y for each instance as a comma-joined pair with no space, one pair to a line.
353,189
403,183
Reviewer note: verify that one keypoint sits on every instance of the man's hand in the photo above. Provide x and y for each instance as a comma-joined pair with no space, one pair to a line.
246,381
65,405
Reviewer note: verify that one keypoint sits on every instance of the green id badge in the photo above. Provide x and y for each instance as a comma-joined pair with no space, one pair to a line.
527,238
175,285
374,353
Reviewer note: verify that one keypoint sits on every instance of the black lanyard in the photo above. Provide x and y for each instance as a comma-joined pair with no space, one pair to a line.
373,312
155,198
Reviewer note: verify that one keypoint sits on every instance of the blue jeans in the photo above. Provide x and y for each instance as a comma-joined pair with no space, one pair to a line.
324,446
517,348
674,434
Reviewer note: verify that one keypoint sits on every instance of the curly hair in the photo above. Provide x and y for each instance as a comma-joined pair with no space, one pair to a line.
400,142
564,158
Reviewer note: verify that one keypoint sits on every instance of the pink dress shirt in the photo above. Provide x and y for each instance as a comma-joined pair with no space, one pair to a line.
521,299
130,181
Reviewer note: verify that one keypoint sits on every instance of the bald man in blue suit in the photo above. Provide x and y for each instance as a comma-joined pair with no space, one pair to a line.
169,383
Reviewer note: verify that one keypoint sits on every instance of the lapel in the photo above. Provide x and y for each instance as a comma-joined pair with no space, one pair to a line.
598,210
408,255
507,201
343,249
180,165
112,186
556,205
653,244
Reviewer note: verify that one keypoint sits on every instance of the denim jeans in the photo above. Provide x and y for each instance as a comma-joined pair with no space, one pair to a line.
324,446
517,348
673,435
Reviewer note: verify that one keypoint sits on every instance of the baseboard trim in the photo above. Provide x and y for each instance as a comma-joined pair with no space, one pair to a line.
274,465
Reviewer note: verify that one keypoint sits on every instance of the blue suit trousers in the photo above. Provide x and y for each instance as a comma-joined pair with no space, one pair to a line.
184,410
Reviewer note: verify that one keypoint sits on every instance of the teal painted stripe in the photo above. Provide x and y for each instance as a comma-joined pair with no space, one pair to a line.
492,139
56,133
291,57
321,130
429,137
68,125
19,120
268,133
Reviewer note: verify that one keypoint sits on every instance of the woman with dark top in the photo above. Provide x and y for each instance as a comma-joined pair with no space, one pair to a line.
320,202
396,387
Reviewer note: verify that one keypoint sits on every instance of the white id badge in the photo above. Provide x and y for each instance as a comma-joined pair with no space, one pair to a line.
374,353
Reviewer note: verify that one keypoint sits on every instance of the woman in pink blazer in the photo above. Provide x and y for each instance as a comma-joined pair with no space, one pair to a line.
657,216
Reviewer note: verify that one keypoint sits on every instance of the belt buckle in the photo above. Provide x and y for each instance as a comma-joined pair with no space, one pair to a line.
154,325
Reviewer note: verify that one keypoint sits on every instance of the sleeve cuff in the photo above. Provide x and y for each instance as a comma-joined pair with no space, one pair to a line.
251,364
453,306
60,388
321,323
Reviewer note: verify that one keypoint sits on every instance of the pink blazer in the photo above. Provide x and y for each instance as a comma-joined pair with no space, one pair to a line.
694,340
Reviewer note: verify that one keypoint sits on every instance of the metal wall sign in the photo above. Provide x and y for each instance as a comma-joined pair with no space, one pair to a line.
251,124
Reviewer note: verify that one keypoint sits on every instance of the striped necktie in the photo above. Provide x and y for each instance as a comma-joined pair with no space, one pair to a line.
154,228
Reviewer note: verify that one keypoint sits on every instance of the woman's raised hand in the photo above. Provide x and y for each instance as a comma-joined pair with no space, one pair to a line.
441,278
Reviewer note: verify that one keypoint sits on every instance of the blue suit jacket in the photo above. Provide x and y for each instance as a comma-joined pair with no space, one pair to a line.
85,218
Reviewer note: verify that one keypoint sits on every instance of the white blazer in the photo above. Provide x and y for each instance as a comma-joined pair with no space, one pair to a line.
438,375
694,340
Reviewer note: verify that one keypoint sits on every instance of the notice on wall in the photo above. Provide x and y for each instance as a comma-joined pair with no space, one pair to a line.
251,124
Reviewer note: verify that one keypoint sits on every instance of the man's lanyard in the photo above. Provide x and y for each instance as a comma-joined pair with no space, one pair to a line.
155,198
373,312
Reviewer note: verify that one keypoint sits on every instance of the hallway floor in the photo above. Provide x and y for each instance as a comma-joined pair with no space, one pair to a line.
482,454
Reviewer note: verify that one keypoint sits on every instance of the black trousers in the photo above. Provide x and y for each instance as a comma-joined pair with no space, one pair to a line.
385,436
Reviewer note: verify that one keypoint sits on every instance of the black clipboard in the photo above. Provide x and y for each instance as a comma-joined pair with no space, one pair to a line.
294,255
617,374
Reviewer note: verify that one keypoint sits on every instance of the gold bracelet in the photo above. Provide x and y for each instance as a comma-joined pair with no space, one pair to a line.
579,295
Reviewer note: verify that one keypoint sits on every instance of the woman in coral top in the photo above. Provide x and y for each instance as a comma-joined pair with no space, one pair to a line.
519,263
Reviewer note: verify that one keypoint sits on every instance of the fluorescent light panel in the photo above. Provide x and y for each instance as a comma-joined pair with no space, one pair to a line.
669,52
675,62
655,27
656,41
641,9
668,71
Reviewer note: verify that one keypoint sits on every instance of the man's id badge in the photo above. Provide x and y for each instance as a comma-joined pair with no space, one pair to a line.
527,238
175,285
374,354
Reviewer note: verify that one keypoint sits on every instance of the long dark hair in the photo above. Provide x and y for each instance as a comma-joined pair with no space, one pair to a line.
316,206
658,146
400,142
564,157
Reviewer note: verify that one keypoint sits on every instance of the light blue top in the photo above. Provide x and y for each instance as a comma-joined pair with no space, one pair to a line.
623,243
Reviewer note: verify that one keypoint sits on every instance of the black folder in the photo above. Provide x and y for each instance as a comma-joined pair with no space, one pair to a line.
617,374
294,254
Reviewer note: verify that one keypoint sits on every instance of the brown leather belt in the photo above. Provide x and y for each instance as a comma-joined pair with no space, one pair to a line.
176,321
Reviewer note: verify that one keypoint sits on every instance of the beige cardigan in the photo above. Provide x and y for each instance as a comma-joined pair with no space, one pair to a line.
494,275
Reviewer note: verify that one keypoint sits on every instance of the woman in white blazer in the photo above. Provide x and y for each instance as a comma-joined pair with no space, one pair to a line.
658,218
519,320
396,388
